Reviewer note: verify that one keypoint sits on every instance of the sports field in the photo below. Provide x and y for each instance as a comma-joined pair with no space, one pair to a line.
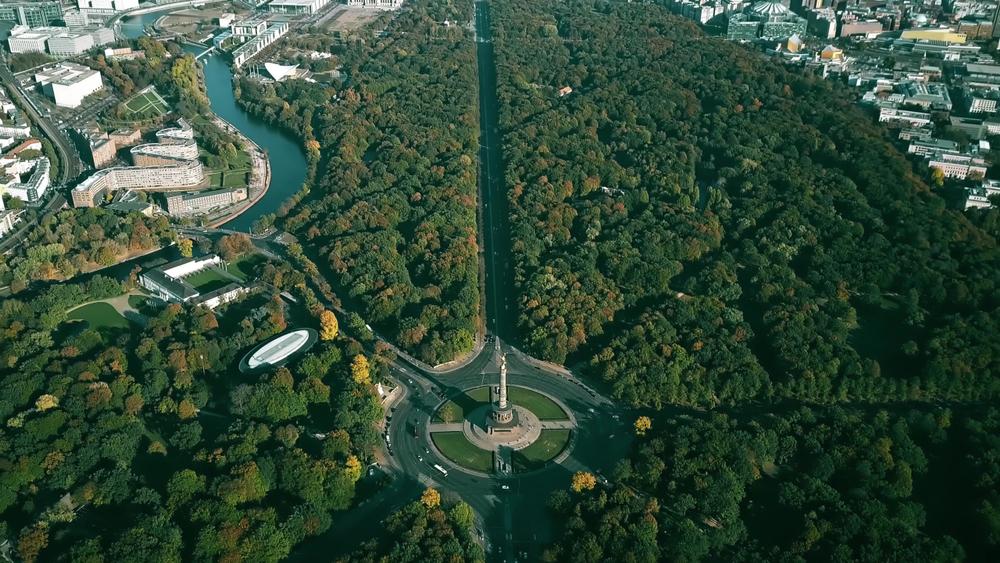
207,280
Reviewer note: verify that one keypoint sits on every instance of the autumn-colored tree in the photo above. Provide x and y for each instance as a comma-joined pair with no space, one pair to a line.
186,409
157,447
46,402
360,370
329,327
431,498
32,541
133,404
186,247
642,424
353,468
583,481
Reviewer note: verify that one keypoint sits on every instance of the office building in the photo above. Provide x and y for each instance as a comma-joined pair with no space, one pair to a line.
250,27
296,6
70,43
31,14
200,203
7,218
902,117
22,40
765,20
958,166
979,196
69,83
254,46
32,188
112,6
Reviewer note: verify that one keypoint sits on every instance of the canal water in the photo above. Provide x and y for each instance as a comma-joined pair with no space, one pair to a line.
288,161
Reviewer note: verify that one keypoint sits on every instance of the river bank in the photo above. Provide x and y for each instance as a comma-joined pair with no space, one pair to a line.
260,175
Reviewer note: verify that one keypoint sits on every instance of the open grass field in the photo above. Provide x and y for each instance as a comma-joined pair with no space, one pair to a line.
549,445
145,105
233,174
456,447
462,405
207,280
543,407
98,315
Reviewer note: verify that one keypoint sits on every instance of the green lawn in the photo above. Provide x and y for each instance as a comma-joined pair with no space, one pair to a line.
98,315
456,447
146,104
464,404
549,445
207,280
543,407
245,267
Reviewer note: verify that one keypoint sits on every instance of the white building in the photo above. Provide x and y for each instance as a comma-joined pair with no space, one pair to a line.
107,5
69,83
982,105
959,166
251,27
22,41
70,43
376,4
199,203
187,175
904,117
978,197
168,282
251,48
33,188
6,219
296,6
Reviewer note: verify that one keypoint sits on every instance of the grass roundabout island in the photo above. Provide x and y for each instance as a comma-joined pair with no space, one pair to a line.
459,431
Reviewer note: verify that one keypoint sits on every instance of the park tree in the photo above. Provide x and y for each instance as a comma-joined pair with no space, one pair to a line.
329,328
186,247
46,402
360,370
583,481
642,425
431,498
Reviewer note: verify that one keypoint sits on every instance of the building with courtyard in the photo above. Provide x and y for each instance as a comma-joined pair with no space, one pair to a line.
198,281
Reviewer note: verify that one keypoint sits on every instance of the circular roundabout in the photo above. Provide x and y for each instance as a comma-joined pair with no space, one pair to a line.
486,430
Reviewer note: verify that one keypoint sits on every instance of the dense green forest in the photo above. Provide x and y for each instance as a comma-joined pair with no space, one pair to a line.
696,224
392,203
80,240
806,485
147,444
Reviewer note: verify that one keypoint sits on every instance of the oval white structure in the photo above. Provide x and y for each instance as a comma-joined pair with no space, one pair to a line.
277,350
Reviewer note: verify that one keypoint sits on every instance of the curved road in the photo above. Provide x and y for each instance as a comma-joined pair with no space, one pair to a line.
600,439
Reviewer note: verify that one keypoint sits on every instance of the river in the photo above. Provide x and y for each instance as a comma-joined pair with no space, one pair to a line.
288,161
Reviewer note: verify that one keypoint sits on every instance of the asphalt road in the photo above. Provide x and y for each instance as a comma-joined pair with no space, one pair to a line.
71,167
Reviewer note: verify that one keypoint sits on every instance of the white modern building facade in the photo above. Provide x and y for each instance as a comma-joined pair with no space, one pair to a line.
69,83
